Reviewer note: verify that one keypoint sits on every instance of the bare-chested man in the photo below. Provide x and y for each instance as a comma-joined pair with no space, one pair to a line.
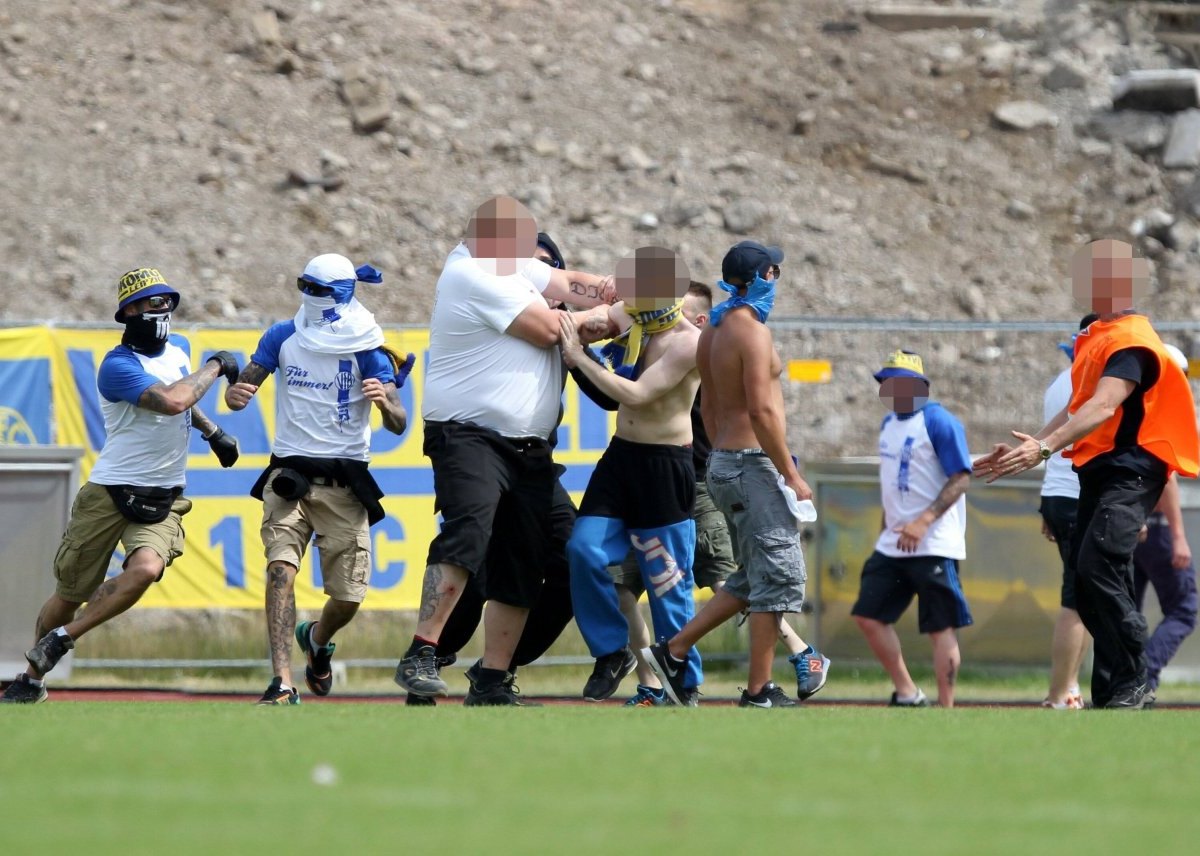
644,486
743,413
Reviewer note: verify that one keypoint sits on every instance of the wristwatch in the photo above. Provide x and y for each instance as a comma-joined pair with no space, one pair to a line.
1044,450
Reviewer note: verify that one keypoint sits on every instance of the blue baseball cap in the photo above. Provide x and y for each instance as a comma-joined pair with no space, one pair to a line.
745,259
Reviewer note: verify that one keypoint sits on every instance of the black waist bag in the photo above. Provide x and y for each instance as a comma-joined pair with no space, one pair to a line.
143,504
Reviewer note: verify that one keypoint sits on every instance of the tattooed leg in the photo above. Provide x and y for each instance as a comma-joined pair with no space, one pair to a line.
142,568
946,662
281,617
55,613
442,588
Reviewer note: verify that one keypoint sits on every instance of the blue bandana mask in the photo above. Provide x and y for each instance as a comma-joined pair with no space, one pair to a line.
759,296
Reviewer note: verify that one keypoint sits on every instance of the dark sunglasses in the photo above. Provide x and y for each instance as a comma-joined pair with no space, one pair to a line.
313,289
158,302
774,271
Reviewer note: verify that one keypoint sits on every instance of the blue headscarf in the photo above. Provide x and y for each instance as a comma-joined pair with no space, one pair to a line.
343,289
759,296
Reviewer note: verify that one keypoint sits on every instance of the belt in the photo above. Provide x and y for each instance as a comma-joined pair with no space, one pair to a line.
527,444
741,451
326,481
1156,519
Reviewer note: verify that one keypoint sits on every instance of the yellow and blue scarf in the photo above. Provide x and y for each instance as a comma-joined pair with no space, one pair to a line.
624,353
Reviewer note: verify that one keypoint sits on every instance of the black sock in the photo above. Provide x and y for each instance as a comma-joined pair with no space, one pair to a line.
489,678
417,644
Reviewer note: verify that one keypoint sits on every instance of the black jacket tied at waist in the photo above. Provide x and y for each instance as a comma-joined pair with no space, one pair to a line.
353,474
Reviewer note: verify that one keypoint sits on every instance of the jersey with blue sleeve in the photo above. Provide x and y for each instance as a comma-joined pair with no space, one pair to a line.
320,410
918,453
142,447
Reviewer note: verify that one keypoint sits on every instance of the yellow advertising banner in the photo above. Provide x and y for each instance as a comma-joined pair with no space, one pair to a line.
48,395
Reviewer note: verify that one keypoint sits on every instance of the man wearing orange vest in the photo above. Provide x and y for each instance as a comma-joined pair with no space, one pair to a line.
1131,423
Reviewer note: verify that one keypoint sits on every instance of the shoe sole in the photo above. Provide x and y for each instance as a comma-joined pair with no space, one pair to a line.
626,668
820,686
656,667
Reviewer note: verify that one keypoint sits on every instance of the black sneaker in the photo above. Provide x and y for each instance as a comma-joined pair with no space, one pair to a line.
23,691
505,693
691,697
317,674
51,648
669,671
1151,698
771,695
607,675
1134,699
418,673
277,695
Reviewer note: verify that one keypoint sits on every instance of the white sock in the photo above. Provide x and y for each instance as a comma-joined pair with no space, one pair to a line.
312,643
37,682
62,631
912,697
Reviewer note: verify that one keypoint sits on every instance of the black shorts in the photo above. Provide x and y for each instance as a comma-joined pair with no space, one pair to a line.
888,585
1060,512
642,484
494,494
562,521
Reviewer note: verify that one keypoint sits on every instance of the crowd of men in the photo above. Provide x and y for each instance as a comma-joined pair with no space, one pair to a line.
698,485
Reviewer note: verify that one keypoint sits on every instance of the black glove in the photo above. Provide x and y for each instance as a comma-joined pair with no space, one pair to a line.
224,446
229,366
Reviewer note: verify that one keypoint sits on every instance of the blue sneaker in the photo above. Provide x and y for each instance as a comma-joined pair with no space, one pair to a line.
648,697
812,668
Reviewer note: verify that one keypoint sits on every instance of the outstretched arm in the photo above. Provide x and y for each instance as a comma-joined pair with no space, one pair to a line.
655,382
580,289
173,399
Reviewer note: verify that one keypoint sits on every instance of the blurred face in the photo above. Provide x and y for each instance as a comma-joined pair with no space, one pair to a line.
652,278
903,394
502,229
1106,277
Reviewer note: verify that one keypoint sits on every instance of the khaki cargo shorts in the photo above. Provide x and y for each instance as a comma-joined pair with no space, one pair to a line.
343,536
95,529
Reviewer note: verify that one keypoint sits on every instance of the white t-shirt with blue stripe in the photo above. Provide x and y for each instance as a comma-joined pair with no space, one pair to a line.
918,453
320,410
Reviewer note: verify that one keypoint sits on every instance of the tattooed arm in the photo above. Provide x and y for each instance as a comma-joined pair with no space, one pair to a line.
238,395
202,423
580,289
173,399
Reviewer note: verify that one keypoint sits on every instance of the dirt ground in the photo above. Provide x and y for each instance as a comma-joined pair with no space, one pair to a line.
164,134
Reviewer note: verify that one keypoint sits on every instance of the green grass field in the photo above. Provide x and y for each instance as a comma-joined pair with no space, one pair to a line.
207,777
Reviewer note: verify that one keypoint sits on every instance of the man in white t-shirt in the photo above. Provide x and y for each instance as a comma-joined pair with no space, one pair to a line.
134,493
924,471
332,369
491,400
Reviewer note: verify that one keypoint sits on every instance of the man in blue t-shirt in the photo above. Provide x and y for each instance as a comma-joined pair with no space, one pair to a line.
134,493
924,470
332,367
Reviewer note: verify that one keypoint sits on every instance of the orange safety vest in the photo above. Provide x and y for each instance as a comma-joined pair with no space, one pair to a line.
1168,430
